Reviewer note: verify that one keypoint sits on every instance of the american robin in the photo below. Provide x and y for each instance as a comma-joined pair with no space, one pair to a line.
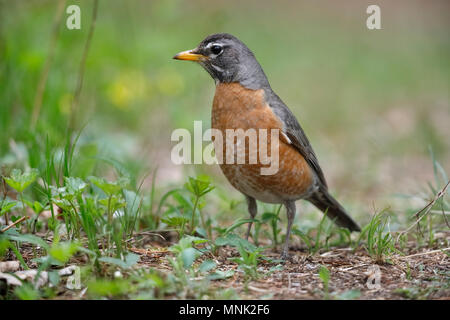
244,100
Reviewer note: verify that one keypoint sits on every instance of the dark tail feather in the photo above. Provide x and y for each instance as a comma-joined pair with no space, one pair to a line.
323,200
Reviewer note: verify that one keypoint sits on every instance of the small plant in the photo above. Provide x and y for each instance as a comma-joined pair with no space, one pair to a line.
37,208
19,181
185,252
305,238
198,187
439,205
320,238
66,198
188,207
380,242
113,191
111,288
324,275
175,216
233,240
5,207
248,261
435,211
250,255
185,273
54,255
273,218
324,228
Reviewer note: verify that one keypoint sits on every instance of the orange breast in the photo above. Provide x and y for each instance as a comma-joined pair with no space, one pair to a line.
236,107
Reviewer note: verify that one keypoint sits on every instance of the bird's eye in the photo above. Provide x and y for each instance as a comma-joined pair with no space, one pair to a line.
216,49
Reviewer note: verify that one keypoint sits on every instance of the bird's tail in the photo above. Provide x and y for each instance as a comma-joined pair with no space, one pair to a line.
326,203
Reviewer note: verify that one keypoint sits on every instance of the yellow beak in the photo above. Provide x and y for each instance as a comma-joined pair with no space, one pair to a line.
189,55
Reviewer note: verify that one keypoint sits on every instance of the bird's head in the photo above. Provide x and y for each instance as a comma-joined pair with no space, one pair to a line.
227,59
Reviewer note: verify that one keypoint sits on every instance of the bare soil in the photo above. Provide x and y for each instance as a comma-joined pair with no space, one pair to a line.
421,274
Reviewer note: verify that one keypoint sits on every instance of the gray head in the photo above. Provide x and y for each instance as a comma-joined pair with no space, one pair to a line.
227,59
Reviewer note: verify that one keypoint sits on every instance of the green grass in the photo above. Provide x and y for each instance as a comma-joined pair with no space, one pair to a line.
380,242
99,217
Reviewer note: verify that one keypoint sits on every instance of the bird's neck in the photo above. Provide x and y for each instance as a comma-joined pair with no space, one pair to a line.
253,78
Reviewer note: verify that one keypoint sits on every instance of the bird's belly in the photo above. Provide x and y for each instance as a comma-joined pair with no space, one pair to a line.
235,108
293,180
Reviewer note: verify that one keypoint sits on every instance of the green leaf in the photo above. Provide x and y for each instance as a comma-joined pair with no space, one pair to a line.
207,265
132,202
324,275
183,201
188,256
63,204
7,206
235,241
36,206
114,202
14,236
20,181
220,275
26,292
53,277
238,223
267,216
306,239
103,287
201,232
47,261
164,198
186,242
349,295
87,251
4,245
63,251
195,240
75,186
278,267
130,260
109,188
199,186
174,221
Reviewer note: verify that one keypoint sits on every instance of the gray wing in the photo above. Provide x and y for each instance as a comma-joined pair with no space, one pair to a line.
295,133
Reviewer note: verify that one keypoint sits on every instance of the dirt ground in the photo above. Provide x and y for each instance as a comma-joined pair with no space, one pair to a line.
421,274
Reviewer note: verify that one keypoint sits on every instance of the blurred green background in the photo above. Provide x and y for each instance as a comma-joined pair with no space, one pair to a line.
372,102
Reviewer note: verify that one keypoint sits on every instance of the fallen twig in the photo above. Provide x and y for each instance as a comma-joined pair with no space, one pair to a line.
13,224
258,289
145,233
424,253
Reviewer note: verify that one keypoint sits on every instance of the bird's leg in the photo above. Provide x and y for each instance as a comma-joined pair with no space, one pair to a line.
252,209
290,209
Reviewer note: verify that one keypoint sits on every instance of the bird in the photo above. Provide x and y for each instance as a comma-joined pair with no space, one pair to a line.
245,100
